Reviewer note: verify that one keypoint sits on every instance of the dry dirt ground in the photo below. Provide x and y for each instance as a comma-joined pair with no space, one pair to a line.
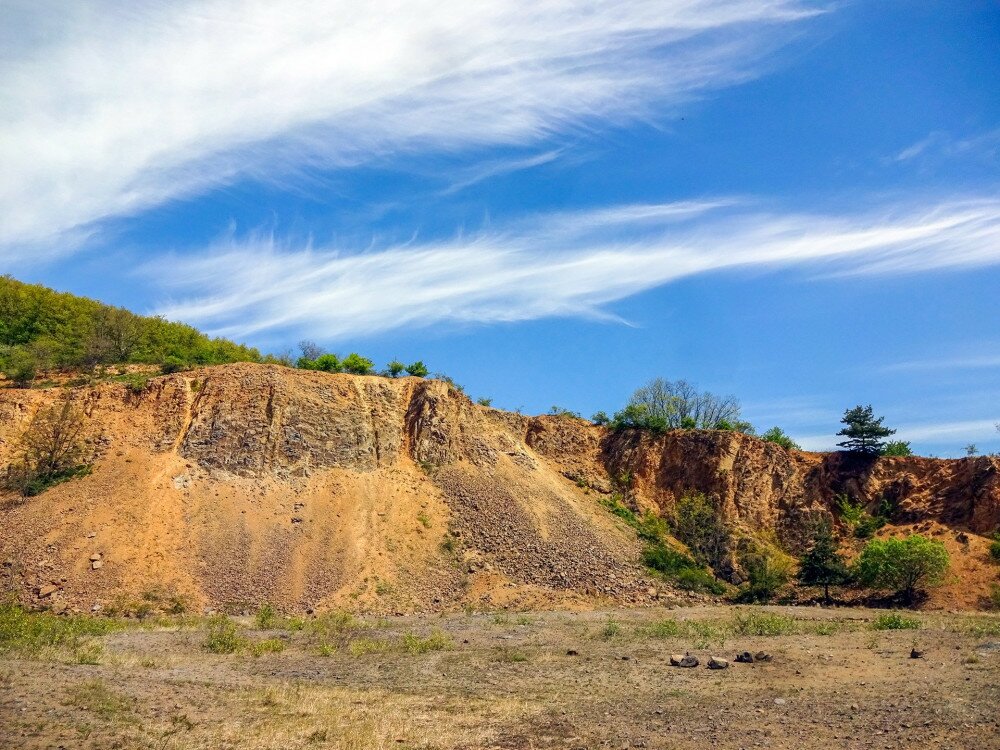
589,679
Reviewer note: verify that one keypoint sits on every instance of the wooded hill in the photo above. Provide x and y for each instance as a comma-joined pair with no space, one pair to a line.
42,329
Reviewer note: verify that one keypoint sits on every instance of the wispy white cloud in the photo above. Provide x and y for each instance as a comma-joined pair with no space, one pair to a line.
560,265
112,108
468,177
945,362
940,144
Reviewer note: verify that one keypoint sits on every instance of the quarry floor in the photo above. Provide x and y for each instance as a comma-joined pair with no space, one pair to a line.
591,679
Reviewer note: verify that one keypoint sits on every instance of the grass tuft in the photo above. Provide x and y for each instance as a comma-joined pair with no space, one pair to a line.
759,622
895,621
223,636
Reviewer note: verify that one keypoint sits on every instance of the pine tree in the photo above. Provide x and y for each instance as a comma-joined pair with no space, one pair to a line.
823,565
864,432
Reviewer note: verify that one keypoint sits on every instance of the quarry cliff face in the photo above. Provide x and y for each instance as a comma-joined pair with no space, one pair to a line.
240,484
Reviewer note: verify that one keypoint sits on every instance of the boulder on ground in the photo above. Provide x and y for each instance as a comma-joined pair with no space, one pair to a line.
715,662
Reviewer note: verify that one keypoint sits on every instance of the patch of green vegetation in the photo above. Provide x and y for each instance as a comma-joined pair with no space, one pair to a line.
52,450
895,621
995,549
665,629
905,566
43,329
611,628
707,633
983,627
658,555
31,632
135,382
266,618
762,623
862,523
436,641
826,628
424,520
223,636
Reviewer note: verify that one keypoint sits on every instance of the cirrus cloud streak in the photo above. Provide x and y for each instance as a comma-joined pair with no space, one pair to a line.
109,110
561,265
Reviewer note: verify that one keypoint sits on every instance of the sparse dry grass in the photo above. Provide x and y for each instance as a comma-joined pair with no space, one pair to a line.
578,679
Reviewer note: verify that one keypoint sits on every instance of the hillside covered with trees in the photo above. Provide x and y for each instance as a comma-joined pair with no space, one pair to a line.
42,329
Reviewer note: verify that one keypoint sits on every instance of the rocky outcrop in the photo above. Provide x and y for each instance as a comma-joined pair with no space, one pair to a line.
248,483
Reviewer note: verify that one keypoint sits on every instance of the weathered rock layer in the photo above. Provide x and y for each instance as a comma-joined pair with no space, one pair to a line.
240,484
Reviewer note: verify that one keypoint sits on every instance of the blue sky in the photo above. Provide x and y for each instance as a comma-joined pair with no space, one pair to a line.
553,202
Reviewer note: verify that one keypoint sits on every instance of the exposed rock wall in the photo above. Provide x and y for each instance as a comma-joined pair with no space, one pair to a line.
249,483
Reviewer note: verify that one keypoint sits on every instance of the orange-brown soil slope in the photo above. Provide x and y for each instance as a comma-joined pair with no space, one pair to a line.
241,484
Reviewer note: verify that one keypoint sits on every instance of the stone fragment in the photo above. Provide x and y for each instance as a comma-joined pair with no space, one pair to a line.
96,565
47,590
715,662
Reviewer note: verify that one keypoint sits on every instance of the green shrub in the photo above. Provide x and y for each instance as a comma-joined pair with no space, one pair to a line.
767,573
50,451
358,365
895,621
696,523
171,365
267,617
897,448
666,560
995,595
327,363
223,636
395,368
418,369
699,580
135,382
777,436
995,549
484,402
859,520
19,366
559,411
902,565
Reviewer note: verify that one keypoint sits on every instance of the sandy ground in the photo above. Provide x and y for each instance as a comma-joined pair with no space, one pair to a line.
535,680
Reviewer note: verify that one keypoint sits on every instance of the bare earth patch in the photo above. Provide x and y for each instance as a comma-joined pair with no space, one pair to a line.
507,680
